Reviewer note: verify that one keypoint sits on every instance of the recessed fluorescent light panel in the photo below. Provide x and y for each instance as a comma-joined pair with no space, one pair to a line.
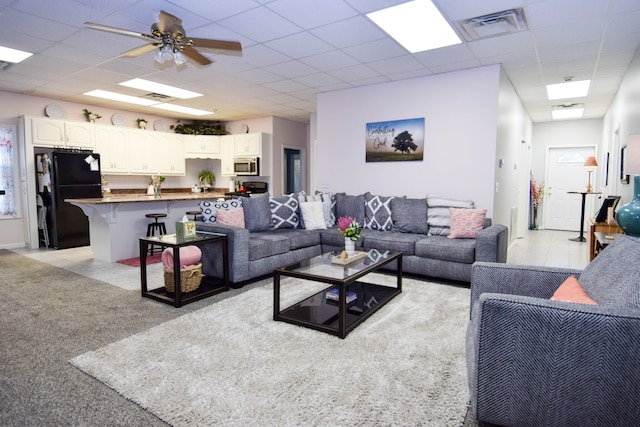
150,86
181,109
13,55
567,90
417,25
120,97
559,112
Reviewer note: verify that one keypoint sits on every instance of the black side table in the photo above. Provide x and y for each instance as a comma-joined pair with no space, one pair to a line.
209,285
584,197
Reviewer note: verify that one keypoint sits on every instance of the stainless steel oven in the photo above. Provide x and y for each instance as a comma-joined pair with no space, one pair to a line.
246,166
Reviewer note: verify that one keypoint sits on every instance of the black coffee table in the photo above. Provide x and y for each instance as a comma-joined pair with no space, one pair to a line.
337,317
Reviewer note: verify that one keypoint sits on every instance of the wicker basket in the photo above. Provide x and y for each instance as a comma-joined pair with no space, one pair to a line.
190,277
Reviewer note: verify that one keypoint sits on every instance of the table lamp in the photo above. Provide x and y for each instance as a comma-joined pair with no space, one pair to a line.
628,216
590,163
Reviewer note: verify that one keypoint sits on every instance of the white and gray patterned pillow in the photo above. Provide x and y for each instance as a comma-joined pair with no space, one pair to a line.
377,212
328,205
209,208
438,215
284,211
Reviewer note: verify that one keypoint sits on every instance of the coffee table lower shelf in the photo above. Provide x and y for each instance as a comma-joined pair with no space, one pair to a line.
322,314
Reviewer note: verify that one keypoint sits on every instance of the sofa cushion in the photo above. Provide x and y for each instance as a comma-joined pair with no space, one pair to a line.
442,248
209,208
333,237
266,244
377,212
466,223
257,213
329,207
572,291
284,211
409,215
234,217
438,215
312,215
299,238
352,206
613,277
391,241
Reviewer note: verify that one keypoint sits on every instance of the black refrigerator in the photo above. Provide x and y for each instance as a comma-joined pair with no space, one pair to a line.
66,174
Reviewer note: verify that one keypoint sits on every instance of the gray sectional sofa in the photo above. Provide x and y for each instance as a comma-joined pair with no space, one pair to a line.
278,231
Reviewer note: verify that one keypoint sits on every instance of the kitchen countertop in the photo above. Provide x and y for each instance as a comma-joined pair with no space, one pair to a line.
139,198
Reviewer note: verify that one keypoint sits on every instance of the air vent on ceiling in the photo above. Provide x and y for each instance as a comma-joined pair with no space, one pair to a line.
4,65
494,24
157,97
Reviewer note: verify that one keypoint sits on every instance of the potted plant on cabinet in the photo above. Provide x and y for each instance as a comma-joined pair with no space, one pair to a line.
142,123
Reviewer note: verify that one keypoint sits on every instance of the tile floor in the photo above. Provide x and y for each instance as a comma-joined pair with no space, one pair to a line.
541,247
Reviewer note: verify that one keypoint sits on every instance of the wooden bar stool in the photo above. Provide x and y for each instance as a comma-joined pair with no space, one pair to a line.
154,226
194,213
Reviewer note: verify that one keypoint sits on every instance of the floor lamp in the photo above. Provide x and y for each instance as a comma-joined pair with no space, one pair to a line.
628,216
590,163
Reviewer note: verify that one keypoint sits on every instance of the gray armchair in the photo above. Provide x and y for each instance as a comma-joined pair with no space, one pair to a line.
536,362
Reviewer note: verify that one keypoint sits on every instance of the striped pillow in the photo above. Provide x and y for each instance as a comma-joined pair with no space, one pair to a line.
438,215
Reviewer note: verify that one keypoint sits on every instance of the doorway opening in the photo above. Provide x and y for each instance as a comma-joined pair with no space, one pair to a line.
292,162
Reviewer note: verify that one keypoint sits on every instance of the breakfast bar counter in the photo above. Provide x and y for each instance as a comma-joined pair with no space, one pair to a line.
117,222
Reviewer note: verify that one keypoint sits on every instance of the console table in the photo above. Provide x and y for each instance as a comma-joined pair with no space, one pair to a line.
584,197
600,227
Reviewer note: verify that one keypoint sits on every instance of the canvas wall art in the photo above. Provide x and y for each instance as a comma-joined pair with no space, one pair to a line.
395,141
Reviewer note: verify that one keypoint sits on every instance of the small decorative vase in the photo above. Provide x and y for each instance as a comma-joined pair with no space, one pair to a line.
349,246
157,190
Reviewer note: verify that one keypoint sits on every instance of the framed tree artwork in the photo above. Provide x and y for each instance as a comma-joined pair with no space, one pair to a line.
395,141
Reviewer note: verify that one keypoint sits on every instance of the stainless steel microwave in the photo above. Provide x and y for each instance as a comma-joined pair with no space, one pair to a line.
246,166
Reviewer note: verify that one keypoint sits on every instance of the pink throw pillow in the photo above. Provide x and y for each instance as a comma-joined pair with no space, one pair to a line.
572,291
233,217
189,255
466,223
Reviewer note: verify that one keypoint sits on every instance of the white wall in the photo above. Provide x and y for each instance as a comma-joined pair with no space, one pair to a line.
460,111
623,115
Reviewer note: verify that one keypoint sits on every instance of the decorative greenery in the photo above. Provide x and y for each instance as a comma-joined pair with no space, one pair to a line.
349,227
199,127
91,116
207,176
141,120
156,180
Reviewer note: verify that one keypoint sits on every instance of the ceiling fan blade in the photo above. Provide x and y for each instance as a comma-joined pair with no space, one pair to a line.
168,23
222,46
195,56
140,50
121,31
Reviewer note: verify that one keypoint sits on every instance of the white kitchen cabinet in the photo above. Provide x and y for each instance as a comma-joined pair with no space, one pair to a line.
112,143
202,147
170,154
227,154
60,133
143,152
248,144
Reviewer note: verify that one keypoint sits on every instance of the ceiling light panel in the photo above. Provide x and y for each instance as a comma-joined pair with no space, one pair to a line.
569,89
120,97
574,111
150,86
181,109
417,25
13,55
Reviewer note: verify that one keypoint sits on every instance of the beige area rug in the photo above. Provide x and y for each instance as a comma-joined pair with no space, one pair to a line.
230,364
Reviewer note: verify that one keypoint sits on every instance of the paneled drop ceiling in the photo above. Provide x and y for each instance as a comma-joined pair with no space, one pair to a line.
295,49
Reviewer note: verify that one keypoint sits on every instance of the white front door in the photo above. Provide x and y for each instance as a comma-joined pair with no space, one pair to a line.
566,173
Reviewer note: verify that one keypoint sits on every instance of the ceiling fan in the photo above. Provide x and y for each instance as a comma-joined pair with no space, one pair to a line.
170,40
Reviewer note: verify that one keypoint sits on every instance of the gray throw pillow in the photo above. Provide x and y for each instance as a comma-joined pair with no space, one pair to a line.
257,213
438,215
352,206
409,215
377,212
284,211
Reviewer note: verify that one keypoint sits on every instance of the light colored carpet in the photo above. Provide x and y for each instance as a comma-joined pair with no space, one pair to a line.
231,364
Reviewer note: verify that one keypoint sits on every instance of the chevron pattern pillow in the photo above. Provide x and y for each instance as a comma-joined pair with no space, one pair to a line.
466,223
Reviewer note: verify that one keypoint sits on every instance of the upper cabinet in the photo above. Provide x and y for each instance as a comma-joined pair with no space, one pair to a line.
61,133
112,143
202,146
170,154
247,144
